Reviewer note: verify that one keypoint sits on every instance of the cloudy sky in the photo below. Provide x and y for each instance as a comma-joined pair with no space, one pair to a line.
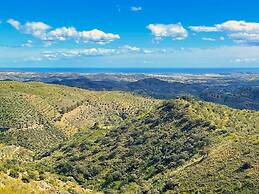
129,33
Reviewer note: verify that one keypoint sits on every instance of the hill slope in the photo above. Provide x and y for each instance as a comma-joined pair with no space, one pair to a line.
72,140
176,147
42,115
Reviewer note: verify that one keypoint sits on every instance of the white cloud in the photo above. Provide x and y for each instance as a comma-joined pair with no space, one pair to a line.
136,8
63,33
208,39
203,28
97,52
71,53
127,49
245,38
131,48
97,36
231,26
82,52
37,29
14,23
239,31
29,43
225,56
57,54
238,26
43,32
174,31
245,60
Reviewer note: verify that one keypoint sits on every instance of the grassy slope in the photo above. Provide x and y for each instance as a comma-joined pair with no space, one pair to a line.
42,115
38,116
9,185
119,142
176,147
231,159
26,125
19,175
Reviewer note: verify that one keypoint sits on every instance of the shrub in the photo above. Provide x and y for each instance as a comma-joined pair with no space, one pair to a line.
14,174
25,179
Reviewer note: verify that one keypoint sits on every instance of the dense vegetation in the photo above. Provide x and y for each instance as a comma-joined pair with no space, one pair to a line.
56,138
37,116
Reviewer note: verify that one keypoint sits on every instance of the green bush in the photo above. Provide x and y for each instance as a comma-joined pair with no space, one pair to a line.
14,174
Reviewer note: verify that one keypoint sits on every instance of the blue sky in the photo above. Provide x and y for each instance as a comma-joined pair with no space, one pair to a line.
129,33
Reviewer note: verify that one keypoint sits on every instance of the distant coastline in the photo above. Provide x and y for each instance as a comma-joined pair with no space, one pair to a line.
136,70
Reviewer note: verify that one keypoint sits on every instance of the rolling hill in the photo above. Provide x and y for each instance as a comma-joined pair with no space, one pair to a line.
42,115
60,139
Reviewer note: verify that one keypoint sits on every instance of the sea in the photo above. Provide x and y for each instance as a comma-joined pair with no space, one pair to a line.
136,70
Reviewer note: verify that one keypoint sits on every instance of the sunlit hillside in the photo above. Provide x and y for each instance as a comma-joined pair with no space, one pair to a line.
69,140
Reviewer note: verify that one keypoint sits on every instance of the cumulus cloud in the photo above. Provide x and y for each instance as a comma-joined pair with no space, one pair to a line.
37,29
238,26
14,23
239,31
174,31
97,36
45,33
136,8
63,33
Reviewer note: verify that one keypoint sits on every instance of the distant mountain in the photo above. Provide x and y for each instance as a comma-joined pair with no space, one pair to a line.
160,89
149,83
85,83
58,139
237,94
238,90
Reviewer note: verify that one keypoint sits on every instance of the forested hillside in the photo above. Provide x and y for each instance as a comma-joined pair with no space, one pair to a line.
42,115
68,140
